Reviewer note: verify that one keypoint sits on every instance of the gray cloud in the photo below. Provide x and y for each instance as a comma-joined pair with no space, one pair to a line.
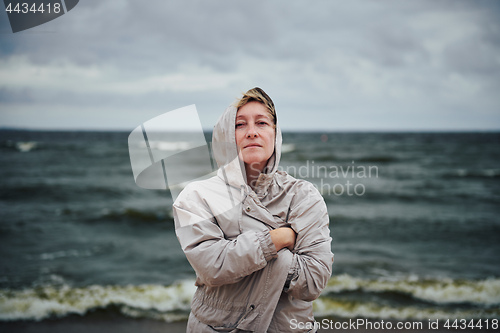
365,65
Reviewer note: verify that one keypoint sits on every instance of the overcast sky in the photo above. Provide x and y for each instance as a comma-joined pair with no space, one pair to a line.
328,65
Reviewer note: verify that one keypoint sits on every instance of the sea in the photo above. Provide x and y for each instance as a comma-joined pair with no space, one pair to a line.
414,218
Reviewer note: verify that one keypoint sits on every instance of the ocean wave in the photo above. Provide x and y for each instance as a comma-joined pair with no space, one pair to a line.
131,214
43,190
326,307
438,291
432,298
320,157
26,145
287,148
376,159
168,145
409,298
71,253
168,303
482,173
340,159
21,146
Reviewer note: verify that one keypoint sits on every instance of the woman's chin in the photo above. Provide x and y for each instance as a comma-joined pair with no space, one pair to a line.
255,165
252,159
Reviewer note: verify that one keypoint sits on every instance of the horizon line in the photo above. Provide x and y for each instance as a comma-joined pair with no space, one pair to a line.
319,130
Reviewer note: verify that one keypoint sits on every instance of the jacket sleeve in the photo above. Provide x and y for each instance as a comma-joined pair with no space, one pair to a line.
215,259
312,256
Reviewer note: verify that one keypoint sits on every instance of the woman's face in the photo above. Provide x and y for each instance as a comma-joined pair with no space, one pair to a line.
254,135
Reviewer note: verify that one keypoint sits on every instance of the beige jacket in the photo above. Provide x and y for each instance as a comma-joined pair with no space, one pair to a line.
223,228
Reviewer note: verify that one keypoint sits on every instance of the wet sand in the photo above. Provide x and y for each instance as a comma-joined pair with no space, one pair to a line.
93,323
96,323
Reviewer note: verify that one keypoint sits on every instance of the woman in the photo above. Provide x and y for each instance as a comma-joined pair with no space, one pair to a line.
257,238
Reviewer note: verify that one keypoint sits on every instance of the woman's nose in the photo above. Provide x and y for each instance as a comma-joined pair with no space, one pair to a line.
252,131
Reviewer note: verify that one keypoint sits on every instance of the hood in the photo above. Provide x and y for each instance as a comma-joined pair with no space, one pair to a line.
231,168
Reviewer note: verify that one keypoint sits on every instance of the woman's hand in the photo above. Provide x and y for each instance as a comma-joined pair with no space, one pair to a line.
283,237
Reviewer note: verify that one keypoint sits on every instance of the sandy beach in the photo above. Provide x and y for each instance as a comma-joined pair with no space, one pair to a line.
95,323
98,323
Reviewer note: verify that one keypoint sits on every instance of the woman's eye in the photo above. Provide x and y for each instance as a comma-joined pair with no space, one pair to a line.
239,125
263,123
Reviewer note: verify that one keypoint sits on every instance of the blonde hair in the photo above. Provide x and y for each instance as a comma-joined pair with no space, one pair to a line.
258,95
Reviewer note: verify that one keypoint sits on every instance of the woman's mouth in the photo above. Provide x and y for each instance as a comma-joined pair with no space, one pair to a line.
253,145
